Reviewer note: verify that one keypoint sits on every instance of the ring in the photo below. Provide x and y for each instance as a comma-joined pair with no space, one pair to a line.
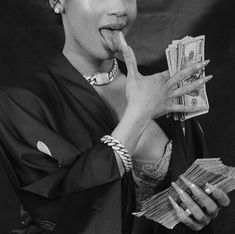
208,191
188,212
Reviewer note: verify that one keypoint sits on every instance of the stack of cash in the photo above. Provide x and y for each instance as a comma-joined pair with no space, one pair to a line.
181,54
210,170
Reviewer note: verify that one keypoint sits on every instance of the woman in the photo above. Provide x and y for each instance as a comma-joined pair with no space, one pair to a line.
61,130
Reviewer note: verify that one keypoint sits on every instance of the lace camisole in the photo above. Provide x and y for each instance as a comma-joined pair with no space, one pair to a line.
149,174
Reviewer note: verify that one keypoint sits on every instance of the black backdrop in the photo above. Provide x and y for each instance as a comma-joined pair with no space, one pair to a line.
30,34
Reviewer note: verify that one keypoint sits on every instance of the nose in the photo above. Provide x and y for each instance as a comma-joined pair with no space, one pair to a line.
118,8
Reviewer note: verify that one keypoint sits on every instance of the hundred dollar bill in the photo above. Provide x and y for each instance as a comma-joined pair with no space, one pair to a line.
191,52
208,170
181,54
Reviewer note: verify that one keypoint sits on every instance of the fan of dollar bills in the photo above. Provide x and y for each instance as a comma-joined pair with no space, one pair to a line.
202,171
181,54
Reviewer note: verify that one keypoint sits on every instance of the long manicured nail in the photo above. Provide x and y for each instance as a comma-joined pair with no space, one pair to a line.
207,78
203,64
206,62
122,39
193,187
182,194
175,205
204,80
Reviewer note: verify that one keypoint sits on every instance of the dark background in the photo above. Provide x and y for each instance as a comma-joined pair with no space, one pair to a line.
30,34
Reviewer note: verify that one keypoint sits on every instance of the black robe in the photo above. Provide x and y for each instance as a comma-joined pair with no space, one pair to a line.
76,188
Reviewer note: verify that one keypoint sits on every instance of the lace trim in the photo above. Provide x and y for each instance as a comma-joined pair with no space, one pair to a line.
149,174
152,171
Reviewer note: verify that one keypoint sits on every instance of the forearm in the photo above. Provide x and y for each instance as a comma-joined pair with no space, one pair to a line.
130,128
129,131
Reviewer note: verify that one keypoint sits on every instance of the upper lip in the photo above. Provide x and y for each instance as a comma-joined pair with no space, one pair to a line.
115,26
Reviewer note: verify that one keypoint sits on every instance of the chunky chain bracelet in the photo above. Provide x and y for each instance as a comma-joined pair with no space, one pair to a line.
120,149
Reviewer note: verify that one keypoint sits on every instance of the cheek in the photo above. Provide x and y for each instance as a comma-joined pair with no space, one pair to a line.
82,18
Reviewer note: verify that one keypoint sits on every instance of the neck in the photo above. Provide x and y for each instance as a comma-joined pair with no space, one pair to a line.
87,65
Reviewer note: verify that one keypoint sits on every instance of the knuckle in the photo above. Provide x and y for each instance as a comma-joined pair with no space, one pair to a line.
204,220
207,221
184,219
197,228
213,214
201,218
226,202
212,208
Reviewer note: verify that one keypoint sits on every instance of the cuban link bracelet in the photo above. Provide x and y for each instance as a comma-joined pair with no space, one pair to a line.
120,149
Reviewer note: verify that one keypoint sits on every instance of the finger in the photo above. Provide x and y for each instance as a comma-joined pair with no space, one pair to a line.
166,74
190,87
191,205
186,109
187,72
183,217
221,197
202,198
128,55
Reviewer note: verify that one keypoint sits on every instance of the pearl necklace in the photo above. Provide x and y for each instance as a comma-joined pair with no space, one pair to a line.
104,78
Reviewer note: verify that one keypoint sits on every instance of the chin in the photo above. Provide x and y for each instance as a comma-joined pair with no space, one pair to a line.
106,55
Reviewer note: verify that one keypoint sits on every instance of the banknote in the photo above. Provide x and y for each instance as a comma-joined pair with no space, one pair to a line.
209,170
181,54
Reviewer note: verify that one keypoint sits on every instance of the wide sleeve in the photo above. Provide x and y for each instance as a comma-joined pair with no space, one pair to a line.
44,162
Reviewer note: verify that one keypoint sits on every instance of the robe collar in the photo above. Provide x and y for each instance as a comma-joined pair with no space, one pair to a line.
62,68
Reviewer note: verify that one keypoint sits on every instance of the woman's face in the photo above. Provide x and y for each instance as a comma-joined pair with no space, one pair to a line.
92,26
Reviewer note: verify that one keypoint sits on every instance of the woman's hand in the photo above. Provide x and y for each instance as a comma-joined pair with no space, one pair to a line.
153,95
198,214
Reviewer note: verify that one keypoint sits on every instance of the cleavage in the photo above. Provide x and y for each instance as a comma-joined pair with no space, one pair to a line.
153,141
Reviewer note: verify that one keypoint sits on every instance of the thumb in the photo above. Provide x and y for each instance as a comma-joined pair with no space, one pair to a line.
129,55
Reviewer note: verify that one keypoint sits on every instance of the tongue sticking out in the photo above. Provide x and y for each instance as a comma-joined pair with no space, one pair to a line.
112,39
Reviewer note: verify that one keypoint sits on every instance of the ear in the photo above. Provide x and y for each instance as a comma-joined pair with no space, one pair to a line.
57,4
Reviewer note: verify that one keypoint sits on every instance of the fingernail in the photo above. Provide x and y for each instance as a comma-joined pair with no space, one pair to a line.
174,204
193,187
207,78
206,62
203,64
182,194
122,39
187,182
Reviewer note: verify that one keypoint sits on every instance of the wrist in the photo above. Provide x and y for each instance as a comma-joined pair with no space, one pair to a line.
131,127
137,114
